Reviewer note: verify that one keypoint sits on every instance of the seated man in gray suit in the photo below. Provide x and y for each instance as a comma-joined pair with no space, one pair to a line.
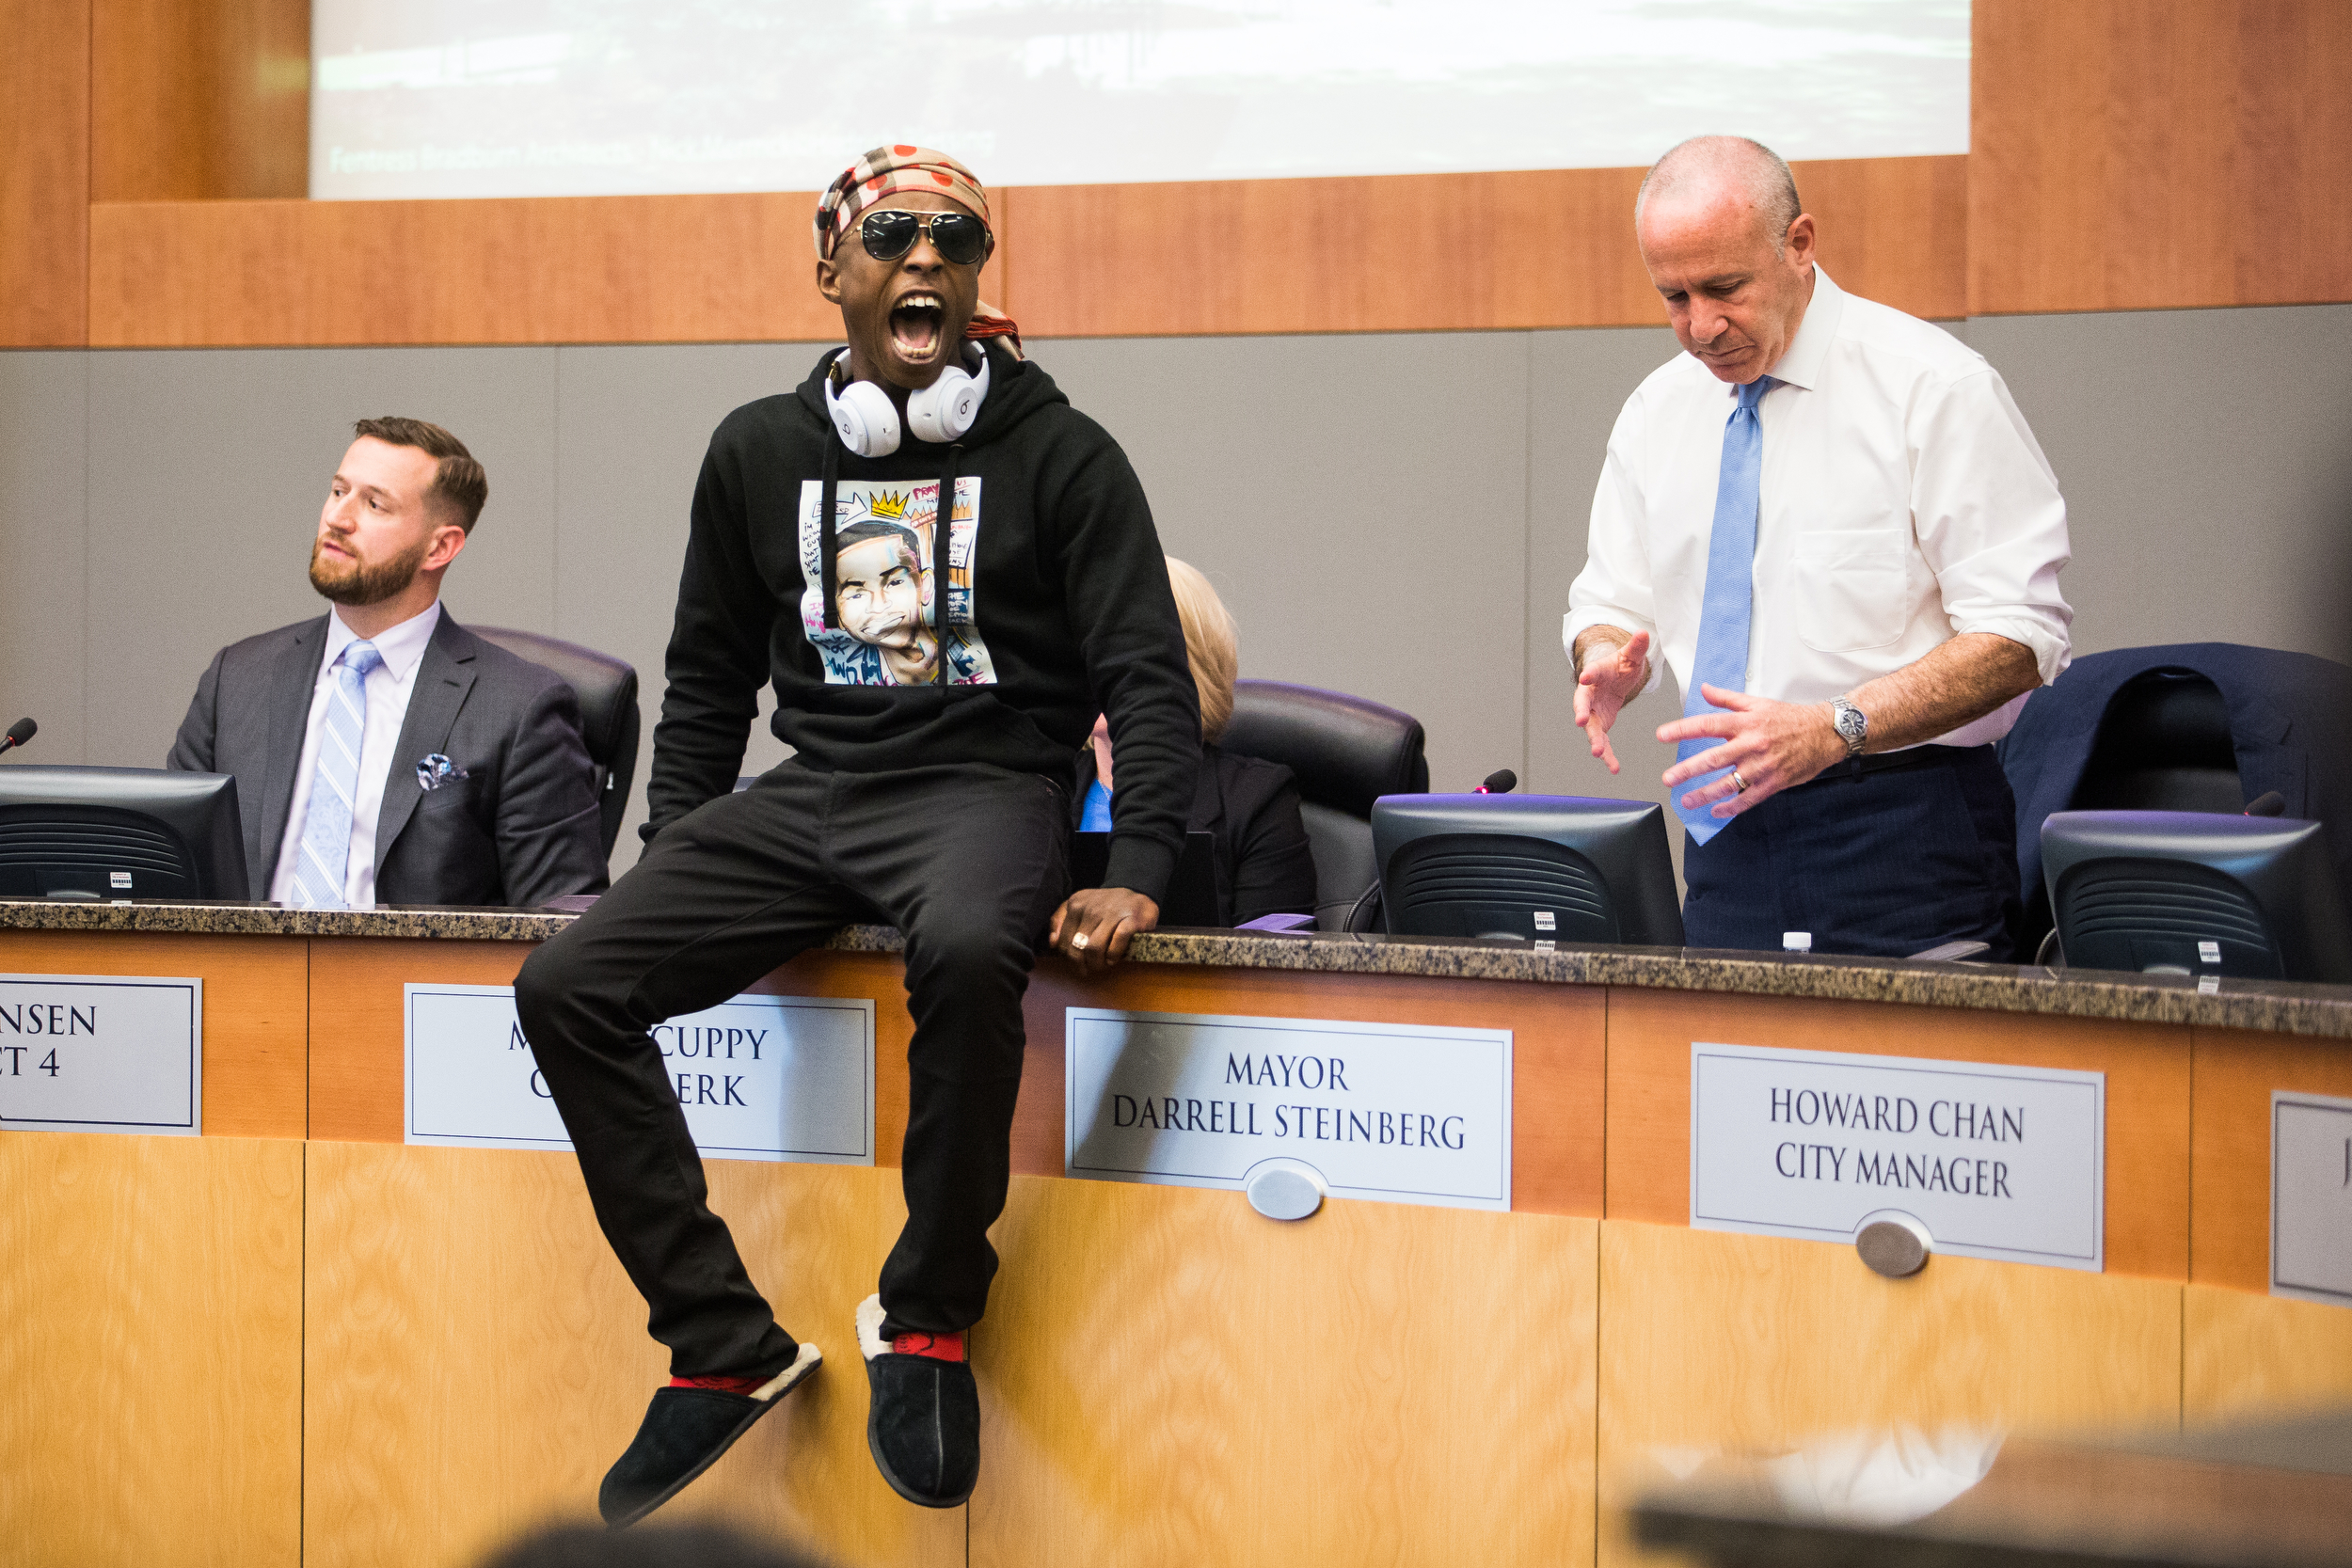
383,753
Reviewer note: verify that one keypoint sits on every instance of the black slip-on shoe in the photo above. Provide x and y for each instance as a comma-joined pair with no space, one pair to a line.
684,1432
923,1426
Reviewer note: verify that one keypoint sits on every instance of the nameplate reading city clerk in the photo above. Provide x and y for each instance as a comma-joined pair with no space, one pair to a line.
1397,1113
776,1078
1997,1162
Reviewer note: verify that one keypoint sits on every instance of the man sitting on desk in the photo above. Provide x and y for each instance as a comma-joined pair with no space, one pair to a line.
383,753
1836,526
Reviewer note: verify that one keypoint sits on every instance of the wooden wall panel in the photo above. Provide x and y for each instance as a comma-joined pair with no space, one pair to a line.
2230,1205
152,1293
552,270
475,1358
2243,1354
256,1012
196,100
1557,1041
1711,1341
2147,1070
2153,154
45,173
1166,1377
1410,253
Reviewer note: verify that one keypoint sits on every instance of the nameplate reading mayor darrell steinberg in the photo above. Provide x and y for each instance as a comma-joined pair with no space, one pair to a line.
1395,1113
101,1054
776,1078
1997,1162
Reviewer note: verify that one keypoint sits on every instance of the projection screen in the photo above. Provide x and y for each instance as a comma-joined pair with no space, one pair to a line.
439,98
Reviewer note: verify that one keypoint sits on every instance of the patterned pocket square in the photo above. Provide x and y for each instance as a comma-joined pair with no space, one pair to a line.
436,770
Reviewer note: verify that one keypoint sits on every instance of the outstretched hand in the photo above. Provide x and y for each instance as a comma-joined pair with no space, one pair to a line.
1094,925
1772,746
1605,684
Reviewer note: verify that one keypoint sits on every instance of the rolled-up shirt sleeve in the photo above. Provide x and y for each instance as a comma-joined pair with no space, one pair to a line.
1989,517
1616,589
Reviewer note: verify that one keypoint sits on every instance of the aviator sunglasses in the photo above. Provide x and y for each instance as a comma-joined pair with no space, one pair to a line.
958,237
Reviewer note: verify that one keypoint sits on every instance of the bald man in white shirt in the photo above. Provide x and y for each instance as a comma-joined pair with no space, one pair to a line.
1830,521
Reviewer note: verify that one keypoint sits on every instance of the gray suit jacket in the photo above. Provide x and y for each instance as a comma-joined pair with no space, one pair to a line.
520,830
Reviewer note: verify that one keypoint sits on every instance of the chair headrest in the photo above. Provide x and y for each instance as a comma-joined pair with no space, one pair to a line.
2173,717
1345,752
606,687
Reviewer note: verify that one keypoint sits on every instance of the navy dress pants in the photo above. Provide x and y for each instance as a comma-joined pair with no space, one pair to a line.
968,861
1919,847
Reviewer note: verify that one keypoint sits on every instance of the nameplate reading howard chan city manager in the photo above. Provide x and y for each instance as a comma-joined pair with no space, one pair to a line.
1995,1161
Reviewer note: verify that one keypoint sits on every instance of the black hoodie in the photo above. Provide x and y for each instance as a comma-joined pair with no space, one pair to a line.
1068,615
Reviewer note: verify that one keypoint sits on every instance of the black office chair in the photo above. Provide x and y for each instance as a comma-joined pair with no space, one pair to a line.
606,690
2164,745
1345,753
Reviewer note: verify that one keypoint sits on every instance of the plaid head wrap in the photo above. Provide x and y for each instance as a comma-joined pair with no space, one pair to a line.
884,171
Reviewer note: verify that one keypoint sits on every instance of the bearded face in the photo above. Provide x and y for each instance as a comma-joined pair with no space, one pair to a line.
344,575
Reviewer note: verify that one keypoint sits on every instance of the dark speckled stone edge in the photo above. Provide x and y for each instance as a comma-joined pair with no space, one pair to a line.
2264,1006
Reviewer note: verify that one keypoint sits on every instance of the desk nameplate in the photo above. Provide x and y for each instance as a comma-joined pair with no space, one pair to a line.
1997,1162
2311,1196
1393,1113
774,1077
101,1054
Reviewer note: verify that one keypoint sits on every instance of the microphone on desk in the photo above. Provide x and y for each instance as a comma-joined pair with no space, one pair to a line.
19,733
2268,804
1501,782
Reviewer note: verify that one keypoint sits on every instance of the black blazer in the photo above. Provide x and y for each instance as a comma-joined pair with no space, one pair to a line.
520,830
1265,865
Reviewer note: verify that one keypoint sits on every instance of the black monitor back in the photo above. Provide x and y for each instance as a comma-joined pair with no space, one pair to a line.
1495,866
2145,890
119,832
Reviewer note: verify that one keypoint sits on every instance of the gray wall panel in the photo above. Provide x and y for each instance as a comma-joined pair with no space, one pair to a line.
44,539
1578,381
632,427
208,468
1394,516
1360,503
2206,457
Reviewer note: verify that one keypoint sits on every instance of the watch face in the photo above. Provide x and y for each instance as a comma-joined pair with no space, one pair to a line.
1851,725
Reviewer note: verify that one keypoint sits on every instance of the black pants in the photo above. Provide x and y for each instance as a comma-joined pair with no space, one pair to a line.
1889,861
968,861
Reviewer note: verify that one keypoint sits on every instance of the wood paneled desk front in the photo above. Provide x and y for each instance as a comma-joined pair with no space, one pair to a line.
298,1338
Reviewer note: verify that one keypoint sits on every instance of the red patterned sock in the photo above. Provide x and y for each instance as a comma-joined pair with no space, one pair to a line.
724,1384
939,1347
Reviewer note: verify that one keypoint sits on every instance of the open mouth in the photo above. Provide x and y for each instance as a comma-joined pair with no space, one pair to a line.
914,326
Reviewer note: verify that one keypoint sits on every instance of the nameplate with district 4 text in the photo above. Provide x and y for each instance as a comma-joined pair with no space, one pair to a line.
777,1078
2311,1198
101,1054
1994,1162
1395,1113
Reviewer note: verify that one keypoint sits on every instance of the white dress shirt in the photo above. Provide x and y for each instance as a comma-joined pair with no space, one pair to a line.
1902,502
388,686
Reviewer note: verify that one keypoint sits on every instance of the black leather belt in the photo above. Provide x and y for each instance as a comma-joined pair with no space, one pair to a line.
1885,762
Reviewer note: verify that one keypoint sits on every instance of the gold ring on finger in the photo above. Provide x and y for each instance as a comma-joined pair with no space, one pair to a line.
1079,940
1738,784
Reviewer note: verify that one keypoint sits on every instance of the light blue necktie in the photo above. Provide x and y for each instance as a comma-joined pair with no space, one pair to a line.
335,783
1722,658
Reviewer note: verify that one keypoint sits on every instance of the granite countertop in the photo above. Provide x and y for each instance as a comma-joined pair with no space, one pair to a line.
2270,1006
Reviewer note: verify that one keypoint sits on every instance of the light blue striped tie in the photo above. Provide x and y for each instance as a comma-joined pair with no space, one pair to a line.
1721,658
335,783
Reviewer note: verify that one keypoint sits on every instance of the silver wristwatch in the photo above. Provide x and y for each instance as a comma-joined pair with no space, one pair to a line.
1853,725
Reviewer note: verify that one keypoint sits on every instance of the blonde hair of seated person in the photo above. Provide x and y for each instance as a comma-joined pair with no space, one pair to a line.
1211,644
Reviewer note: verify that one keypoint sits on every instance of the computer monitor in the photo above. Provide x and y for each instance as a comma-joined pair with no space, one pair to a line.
119,832
2196,892
1546,868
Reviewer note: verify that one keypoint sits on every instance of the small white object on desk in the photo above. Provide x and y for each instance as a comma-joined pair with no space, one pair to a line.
1796,941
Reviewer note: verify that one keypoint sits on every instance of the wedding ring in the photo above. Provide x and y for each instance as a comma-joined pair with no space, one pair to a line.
1738,784
1078,940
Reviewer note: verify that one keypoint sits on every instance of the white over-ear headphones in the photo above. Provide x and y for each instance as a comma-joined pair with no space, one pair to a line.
941,412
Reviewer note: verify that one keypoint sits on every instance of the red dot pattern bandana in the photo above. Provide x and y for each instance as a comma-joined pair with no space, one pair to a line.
887,170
